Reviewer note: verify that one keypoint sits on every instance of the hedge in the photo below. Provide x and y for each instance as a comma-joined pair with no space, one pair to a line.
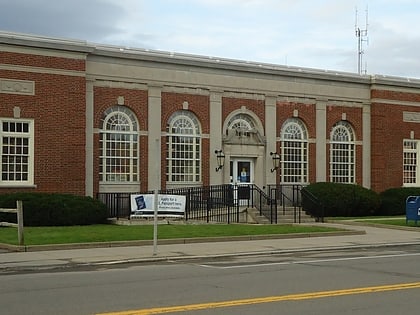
341,200
393,200
43,209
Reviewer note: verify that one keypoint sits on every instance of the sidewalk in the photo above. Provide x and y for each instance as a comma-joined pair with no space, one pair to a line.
357,236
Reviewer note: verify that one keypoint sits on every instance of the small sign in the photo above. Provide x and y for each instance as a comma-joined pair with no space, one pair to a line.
168,206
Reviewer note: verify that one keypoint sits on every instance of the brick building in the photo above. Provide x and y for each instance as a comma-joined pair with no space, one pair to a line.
83,118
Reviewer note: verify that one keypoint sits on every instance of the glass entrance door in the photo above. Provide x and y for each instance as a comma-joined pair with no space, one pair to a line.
241,175
241,171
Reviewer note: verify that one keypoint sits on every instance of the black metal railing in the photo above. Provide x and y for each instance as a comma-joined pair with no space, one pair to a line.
118,204
266,205
228,203
288,196
211,203
312,205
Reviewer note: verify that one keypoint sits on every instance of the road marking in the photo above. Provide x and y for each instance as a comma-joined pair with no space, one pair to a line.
269,299
307,261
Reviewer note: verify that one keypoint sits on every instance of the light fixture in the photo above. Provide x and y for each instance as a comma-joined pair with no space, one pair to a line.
220,159
276,161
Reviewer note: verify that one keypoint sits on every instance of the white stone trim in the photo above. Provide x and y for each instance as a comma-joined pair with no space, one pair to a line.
12,86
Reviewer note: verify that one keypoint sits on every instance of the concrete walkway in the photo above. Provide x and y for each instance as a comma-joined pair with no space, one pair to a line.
357,236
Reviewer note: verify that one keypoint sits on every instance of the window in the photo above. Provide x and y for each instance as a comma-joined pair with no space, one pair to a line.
119,145
16,142
342,153
294,152
183,148
242,124
410,162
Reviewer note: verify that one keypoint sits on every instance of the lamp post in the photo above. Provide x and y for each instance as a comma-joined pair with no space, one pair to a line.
220,159
276,161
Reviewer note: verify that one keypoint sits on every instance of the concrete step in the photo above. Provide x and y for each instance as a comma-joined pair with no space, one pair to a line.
288,216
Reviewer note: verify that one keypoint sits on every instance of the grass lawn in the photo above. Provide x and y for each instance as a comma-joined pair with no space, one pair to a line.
390,221
108,233
396,220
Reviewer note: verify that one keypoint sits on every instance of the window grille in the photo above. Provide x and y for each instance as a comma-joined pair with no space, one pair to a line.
242,124
342,153
119,146
410,162
16,142
183,148
294,152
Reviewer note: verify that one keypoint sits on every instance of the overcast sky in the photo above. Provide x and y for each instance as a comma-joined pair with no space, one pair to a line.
303,33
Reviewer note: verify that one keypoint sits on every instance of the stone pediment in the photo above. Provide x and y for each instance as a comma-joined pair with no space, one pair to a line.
244,137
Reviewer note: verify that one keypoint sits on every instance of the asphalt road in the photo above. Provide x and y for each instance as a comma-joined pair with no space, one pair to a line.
383,280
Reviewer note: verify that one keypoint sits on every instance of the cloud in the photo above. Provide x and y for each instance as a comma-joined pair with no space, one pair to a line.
305,33
80,19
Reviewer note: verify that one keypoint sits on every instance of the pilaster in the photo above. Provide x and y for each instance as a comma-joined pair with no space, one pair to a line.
321,142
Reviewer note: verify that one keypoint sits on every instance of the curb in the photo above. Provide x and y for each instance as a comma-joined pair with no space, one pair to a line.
35,248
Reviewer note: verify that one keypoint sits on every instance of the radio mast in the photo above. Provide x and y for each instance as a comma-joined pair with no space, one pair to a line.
361,35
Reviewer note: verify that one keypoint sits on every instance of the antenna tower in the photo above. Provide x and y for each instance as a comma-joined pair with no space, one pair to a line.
361,35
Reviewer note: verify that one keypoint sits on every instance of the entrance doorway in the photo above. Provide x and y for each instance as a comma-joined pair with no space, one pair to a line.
241,176
241,171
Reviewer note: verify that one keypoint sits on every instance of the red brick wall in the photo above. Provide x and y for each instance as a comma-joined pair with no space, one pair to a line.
58,110
21,59
200,106
388,132
231,104
135,100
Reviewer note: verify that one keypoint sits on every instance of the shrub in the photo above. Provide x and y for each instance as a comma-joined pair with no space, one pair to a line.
393,200
341,200
43,209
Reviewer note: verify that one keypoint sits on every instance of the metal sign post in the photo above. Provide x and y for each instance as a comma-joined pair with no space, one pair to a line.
155,223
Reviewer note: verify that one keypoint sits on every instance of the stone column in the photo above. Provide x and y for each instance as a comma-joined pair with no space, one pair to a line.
321,142
89,115
271,138
366,129
216,126
154,137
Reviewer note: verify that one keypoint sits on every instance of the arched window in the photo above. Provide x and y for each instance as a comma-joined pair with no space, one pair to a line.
342,153
294,152
183,148
241,124
119,145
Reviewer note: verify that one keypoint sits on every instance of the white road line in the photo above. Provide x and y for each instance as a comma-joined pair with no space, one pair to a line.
309,261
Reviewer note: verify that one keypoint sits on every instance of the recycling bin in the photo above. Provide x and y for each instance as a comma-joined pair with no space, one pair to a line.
412,209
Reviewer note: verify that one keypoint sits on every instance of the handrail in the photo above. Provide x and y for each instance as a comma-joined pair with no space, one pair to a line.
312,205
288,194
266,204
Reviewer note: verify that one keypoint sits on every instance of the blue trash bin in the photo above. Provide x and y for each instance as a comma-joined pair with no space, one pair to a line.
412,209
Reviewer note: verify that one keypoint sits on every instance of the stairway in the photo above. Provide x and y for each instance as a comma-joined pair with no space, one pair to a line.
288,216
283,217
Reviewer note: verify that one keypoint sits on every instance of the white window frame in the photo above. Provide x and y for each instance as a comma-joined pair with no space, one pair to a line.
411,151
342,154
183,147
242,124
119,147
294,152
6,154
